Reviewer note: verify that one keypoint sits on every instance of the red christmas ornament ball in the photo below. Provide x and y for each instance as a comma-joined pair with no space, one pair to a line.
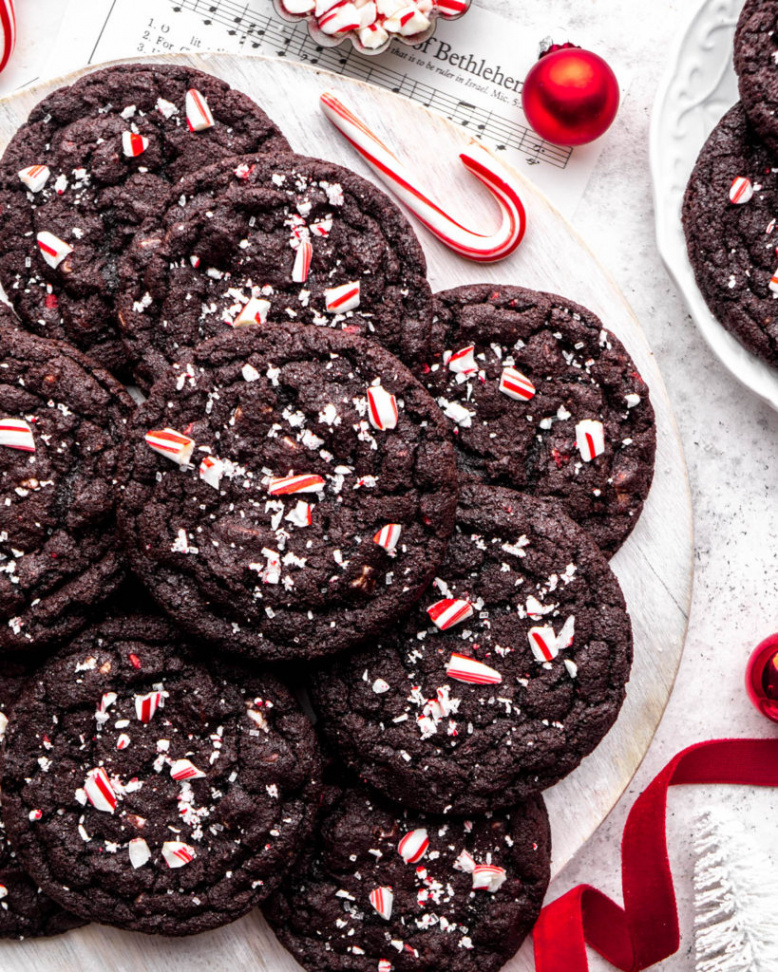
571,96
762,678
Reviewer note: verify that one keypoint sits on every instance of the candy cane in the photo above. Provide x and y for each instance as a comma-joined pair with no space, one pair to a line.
477,159
8,27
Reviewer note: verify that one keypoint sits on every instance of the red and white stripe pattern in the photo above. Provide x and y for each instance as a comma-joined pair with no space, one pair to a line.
774,282
382,408
304,483
35,177
139,852
543,643
462,668
450,611
147,705
384,965
741,191
302,261
177,854
465,862
16,434
487,877
414,845
171,444
255,312
198,113
184,769
477,159
451,9
8,27
123,741
53,249
340,300
133,144
590,439
99,791
211,471
342,18
301,515
388,537
462,362
382,899
516,385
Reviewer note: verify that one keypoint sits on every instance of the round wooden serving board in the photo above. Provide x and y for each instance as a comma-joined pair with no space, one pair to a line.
655,566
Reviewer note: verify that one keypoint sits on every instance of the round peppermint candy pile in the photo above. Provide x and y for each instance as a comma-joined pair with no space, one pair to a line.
267,239
395,891
510,670
288,491
145,789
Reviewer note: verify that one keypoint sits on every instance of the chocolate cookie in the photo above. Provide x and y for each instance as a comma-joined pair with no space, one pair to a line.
756,49
541,398
286,492
509,671
144,788
389,889
25,912
729,220
61,420
93,160
273,238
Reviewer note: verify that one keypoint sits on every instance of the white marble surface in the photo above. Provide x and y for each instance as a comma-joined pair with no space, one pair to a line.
730,438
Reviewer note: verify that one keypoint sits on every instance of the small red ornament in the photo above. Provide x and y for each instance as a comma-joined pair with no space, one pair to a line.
571,96
762,677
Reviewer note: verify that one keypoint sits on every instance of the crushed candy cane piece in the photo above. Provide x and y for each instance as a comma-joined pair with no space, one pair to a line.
35,177
198,113
388,537
487,877
99,791
177,854
16,434
255,312
516,385
139,852
339,300
147,705
462,362
304,483
53,249
184,769
382,899
134,145
741,191
414,845
302,261
211,471
462,668
543,643
590,439
382,408
174,445
449,612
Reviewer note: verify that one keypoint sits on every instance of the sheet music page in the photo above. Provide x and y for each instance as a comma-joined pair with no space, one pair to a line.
471,70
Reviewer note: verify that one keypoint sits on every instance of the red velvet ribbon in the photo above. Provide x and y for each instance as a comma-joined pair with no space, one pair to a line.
645,931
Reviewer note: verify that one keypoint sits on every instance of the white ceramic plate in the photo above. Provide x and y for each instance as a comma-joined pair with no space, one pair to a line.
698,88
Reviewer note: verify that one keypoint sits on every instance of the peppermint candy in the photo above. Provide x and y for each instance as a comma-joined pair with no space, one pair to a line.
198,114
339,300
590,439
452,8
255,312
382,899
340,19
147,705
462,362
123,741
487,877
99,791
741,191
302,261
449,612
382,408
16,434
177,854
516,385
211,471
385,965
388,537
183,769
407,22
566,636
171,444
134,145
35,177
301,515
53,249
373,36
139,852
774,282
414,845
462,668
465,862
304,483
543,643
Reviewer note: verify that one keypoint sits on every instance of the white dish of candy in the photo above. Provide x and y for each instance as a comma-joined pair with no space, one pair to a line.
370,25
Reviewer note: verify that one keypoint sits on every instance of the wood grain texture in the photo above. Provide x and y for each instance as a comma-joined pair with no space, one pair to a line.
655,566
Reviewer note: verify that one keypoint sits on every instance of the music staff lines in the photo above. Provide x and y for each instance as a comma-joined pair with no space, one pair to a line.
261,31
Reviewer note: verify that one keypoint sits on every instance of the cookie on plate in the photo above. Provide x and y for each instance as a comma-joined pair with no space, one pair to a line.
541,398
61,420
273,238
286,492
145,788
25,912
510,670
384,888
93,160
756,44
729,220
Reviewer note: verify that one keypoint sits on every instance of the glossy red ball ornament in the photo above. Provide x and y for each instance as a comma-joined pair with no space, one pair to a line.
762,677
571,96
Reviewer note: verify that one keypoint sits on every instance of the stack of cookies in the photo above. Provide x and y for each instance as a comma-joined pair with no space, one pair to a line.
342,499
731,203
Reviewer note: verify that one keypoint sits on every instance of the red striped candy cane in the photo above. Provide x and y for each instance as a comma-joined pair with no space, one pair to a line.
477,159
8,26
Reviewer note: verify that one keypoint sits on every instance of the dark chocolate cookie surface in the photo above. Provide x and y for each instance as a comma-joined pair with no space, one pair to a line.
273,238
394,890
729,220
541,398
756,63
92,161
25,912
287,491
510,670
146,789
61,420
